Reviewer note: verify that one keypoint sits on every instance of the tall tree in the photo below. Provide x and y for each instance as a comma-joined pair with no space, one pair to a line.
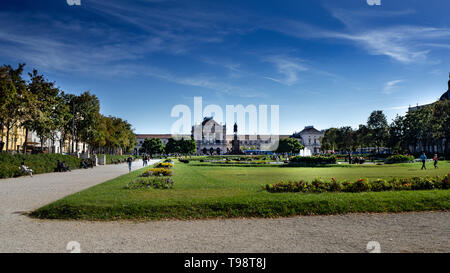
153,146
440,124
379,128
289,145
47,99
13,91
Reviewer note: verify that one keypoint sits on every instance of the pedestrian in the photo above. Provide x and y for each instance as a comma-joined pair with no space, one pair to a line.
144,159
423,157
130,161
435,159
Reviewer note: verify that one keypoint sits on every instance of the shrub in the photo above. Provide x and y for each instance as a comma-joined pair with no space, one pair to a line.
158,172
184,160
39,163
358,186
152,182
399,159
362,185
314,159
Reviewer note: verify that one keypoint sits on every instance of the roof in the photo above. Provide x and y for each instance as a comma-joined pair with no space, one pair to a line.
160,136
210,121
257,137
310,130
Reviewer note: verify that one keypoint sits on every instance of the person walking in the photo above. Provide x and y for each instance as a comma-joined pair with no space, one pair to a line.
144,160
130,161
435,159
423,157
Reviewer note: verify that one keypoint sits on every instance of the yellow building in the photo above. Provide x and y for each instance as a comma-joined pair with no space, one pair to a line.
16,139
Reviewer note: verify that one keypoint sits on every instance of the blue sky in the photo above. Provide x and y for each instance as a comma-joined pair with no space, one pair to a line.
325,63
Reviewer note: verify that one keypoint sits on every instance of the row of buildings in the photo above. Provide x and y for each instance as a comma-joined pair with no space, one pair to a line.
211,138
16,140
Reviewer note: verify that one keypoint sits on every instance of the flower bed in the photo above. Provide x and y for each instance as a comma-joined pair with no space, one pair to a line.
314,159
399,159
362,185
165,165
150,182
158,172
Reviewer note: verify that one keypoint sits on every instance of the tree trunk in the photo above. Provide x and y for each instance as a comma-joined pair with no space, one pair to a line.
7,138
25,144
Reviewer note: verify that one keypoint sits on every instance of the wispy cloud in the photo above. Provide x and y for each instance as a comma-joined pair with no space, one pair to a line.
402,43
288,67
389,86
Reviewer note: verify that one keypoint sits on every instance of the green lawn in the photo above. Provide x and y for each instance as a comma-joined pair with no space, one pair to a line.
205,190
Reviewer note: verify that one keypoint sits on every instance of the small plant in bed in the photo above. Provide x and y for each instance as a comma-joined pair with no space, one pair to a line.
362,185
157,172
150,183
165,165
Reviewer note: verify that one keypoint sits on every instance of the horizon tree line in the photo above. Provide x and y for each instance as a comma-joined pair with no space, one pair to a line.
38,105
425,129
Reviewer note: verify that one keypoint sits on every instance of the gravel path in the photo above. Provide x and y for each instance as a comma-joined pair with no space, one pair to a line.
407,232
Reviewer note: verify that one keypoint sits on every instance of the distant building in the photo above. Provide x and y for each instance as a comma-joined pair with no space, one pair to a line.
210,137
140,138
310,138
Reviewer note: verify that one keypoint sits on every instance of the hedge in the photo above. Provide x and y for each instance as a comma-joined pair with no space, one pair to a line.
314,159
39,163
362,185
399,159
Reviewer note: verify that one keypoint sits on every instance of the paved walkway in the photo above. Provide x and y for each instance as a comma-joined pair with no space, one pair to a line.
409,232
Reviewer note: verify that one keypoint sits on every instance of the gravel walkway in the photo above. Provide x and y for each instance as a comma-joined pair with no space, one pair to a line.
408,232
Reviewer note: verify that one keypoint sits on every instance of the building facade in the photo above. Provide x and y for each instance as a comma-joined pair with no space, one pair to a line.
310,138
210,137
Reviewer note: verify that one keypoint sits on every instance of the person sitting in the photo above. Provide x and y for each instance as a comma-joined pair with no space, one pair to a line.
64,167
83,164
59,167
25,169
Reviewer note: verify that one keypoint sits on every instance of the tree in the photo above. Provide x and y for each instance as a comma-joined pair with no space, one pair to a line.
153,146
188,146
396,132
345,138
87,117
440,123
329,140
379,129
172,146
362,136
289,145
417,127
46,95
13,91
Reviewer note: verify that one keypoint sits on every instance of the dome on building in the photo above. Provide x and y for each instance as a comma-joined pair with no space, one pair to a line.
446,95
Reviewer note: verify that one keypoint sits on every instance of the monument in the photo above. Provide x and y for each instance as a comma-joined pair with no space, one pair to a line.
235,148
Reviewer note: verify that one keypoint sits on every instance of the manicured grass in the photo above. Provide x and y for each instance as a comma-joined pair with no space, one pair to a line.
206,190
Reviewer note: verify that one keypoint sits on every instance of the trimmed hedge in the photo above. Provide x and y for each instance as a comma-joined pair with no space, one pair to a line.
399,159
39,163
314,159
362,185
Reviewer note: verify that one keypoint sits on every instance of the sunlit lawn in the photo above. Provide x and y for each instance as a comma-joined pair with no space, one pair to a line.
206,190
